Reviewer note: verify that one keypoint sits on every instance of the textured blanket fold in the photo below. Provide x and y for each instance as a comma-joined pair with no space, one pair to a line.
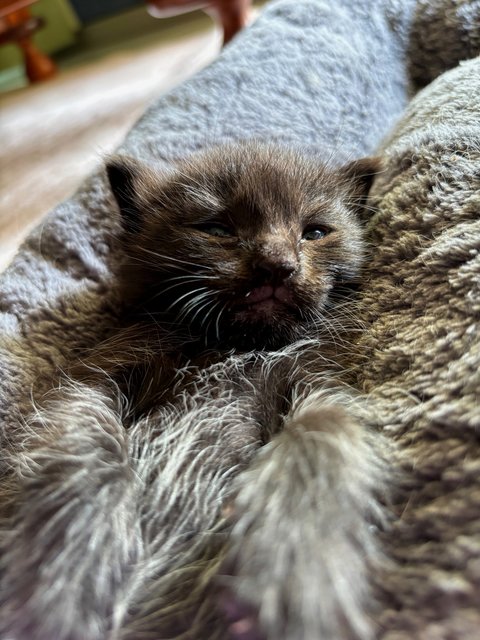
422,357
90,528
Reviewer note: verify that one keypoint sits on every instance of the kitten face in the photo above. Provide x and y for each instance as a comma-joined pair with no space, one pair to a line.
240,246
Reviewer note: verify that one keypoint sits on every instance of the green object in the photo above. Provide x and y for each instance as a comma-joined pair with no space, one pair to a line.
61,26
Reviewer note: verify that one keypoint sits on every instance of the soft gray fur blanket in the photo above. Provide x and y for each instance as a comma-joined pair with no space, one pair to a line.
91,526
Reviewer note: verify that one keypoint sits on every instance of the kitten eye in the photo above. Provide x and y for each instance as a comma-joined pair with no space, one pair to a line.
314,233
216,230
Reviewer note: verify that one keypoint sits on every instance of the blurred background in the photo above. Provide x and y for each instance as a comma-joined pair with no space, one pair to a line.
74,77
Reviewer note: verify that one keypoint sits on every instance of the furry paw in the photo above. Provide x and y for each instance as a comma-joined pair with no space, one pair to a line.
242,618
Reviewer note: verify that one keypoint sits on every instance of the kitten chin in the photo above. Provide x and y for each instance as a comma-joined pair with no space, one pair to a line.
240,246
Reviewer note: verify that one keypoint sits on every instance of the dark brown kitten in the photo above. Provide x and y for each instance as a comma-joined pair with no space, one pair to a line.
239,247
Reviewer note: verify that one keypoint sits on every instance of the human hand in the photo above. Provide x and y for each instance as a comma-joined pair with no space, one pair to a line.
232,15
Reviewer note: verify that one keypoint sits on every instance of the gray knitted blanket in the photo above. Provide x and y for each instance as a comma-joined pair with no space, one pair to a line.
89,534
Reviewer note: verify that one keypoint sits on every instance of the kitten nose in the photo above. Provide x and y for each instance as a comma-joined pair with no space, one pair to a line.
272,270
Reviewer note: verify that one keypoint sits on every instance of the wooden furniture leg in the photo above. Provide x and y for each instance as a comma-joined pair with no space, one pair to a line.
17,26
38,66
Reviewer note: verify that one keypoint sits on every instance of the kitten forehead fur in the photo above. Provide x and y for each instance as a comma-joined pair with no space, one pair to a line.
281,183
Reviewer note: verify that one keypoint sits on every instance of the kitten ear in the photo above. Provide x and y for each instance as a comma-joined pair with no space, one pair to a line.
359,176
125,175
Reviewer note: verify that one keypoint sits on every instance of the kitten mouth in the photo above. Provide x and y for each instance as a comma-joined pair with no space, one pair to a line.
267,298
268,292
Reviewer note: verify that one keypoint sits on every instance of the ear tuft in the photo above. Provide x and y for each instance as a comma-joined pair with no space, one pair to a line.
123,174
359,175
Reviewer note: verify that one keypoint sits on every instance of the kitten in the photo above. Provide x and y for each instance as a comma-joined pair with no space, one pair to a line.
237,273
249,248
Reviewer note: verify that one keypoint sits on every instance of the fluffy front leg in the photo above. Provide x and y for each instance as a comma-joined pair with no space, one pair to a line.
69,531
304,538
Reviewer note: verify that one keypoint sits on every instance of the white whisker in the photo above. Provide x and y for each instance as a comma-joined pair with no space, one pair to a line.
192,304
202,306
155,254
210,321
185,295
205,318
217,323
